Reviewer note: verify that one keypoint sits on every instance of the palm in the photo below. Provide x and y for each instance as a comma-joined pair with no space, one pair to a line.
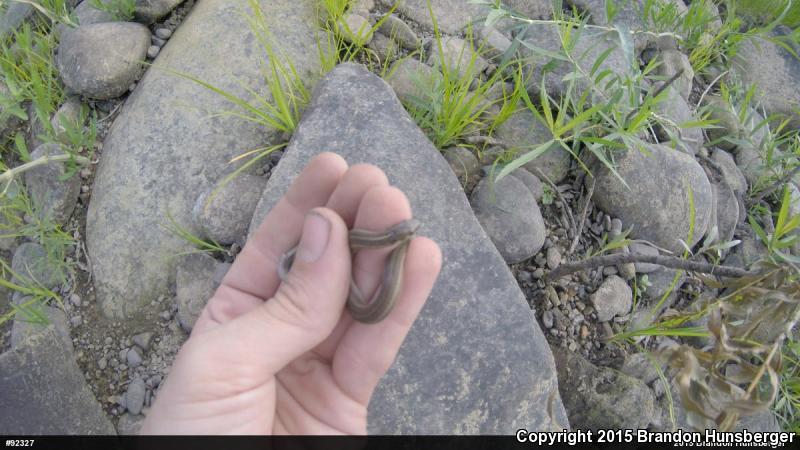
271,356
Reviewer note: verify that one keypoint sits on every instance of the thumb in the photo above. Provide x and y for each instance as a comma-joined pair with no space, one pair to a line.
309,303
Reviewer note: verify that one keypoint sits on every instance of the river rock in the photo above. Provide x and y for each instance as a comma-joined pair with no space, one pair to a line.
727,130
149,11
101,60
412,80
475,360
524,132
452,16
678,112
134,396
458,56
26,324
54,196
223,212
602,398
13,16
131,251
44,391
32,263
464,163
726,211
194,284
773,70
656,202
612,298
531,182
508,213
731,174
129,424
671,61
395,28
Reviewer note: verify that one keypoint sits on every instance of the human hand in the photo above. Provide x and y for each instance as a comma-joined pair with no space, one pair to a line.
272,357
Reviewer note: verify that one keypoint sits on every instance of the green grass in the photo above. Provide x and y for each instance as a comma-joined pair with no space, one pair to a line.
122,10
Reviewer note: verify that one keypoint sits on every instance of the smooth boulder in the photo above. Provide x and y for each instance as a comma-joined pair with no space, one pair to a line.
508,213
475,360
655,202
164,149
102,60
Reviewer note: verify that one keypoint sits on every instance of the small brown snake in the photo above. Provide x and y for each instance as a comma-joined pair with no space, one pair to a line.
378,307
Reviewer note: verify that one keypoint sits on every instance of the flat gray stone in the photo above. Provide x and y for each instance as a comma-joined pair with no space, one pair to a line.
523,132
44,391
774,71
475,361
508,213
101,60
223,212
164,128
602,398
656,202
149,11
55,198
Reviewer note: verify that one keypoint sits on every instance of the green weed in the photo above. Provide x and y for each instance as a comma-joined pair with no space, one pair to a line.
122,10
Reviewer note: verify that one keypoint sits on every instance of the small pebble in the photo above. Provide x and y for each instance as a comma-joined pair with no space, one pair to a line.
152,51
553,257
157,41
75,299
547,319
163,33
616,228
135,395
143,340
584,332
609,270
166,315
76,321
102,364
525,276
133,357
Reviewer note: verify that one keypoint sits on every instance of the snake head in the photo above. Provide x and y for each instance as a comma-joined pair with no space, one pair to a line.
405,229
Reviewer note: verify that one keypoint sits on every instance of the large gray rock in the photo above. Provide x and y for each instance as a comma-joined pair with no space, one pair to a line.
774,71
149,11
508,213
656,201
475,361
54,197
523,132
602,398
44,391
164,129
102,60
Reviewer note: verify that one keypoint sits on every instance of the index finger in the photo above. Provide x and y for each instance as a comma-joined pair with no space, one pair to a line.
253,277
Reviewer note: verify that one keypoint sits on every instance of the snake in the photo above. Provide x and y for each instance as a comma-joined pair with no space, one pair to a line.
396,237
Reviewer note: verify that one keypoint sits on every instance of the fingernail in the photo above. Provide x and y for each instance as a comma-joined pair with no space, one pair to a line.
316,230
